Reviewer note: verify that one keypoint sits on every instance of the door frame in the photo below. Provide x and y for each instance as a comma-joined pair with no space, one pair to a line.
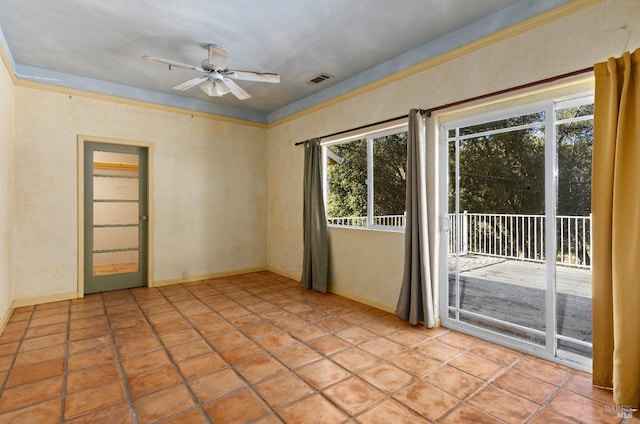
82,140
547,351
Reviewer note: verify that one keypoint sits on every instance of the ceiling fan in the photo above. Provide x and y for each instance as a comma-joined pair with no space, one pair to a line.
218,79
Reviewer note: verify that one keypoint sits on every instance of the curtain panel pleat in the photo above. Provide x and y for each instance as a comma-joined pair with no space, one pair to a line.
315,265
416,300
616,229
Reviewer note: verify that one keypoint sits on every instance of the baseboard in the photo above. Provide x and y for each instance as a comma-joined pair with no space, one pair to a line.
283,273
73,295
44,299
361,299
171,281
5,319
340,292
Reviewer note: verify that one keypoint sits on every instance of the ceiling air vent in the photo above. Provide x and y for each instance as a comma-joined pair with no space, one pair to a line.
319,78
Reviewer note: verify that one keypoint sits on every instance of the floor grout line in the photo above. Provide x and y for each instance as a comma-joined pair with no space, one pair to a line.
17,351
175,364
65,370
118,360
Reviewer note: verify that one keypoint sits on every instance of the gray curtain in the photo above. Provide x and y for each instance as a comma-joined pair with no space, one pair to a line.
315,265
415,303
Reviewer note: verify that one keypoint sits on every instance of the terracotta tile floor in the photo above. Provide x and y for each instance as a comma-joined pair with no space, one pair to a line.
256,348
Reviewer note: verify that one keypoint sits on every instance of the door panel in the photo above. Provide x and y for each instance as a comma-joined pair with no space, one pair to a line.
115,184
517,194
497,198
574,133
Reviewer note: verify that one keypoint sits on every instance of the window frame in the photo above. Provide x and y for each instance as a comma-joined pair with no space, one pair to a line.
369,137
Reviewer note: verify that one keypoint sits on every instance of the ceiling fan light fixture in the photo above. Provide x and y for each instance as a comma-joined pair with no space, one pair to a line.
215,89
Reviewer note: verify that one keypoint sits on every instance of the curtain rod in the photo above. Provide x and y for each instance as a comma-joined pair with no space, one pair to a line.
430,111
362,127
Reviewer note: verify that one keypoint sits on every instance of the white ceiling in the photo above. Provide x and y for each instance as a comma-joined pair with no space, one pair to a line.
97,45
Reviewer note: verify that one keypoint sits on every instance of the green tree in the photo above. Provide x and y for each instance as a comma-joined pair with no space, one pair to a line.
347,177
575,142
501,172
389,173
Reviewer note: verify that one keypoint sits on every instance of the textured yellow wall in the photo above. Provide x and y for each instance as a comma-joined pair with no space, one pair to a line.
7,192
562,45
209,195
224,200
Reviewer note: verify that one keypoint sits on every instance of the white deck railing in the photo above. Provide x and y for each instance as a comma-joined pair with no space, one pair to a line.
503,235
382,221
522,237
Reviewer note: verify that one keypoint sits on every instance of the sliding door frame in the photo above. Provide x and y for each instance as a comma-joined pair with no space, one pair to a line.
496,111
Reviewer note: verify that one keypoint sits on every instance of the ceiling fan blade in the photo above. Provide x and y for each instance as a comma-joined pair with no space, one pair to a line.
217,55
236,89
190,83
171,63
254,76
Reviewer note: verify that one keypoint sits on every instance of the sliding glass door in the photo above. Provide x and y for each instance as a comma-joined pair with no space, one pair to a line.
517,237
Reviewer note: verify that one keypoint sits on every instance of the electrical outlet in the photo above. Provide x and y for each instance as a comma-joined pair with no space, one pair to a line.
185,275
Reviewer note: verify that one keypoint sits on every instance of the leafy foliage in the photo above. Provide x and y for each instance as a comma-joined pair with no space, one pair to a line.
501,170
389,173
575,141
502,173
505,172
347,180
347,177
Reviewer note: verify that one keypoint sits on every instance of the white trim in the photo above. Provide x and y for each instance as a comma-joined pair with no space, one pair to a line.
550,205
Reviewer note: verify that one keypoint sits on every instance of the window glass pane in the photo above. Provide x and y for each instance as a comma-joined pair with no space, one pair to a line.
574,112
347,183
365,181
499,230
115,262
502,173
108,238
115,188
531,118
110,213
575,142
389,176
573,230
111,163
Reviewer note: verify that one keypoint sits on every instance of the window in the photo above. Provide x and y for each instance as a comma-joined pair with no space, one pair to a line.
364,180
